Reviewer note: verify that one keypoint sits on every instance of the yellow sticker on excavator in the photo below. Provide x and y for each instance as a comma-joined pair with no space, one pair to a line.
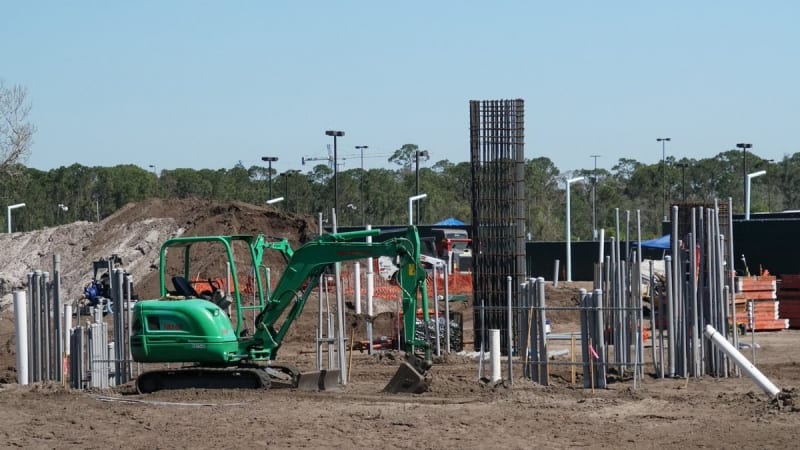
412,269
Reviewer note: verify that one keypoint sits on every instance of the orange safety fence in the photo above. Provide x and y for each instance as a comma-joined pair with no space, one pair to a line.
201,284
459,283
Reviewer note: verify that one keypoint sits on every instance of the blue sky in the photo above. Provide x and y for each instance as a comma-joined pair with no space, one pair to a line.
202,84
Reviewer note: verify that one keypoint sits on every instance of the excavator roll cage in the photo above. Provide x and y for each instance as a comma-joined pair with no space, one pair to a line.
190,329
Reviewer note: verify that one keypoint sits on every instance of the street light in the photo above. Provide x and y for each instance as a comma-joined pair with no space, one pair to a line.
569,238
683,167
335,134
417,155
750,176
269,160
744,146
411,201
361,188
594,198
769,188
663,175
10,207
152,166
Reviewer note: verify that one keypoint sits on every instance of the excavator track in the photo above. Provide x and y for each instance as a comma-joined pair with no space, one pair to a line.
203,378
255,377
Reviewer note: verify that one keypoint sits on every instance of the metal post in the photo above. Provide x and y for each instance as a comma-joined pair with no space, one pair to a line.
335,134
749,178
269,160
370,292
744,146
361,188
594,198
509,335
10,207
663,175
417,155
340,314
411,201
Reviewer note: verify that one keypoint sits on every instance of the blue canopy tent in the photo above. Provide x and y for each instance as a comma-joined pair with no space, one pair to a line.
656,248
450,222
661,243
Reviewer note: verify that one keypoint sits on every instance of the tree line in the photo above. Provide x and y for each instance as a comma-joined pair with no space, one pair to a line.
81,193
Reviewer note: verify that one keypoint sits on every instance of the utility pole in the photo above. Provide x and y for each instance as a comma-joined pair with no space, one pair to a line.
663,176
363,212
269,160
335,134
744,146
426,155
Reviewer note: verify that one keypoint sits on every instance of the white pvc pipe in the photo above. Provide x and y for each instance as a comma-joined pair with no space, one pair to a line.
494,355
10,207
370,293
21,319
67,326
411,201
751,370
750,177
569,232
357,286
602,245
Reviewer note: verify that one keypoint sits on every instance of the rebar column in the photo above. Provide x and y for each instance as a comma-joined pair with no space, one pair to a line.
498,205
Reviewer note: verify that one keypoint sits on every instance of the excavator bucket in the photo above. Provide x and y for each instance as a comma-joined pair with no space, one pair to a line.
323,380
407,380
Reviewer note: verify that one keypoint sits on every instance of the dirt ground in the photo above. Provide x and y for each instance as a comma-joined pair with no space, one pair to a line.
458,411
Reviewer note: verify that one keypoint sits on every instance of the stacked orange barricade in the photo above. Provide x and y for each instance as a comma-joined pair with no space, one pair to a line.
760,291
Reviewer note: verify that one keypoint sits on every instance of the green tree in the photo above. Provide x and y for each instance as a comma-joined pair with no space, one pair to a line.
405,156
542,199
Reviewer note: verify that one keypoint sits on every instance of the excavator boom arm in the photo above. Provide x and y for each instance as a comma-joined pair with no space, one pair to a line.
309,262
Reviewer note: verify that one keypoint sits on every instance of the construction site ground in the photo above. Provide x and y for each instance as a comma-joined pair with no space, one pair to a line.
459,411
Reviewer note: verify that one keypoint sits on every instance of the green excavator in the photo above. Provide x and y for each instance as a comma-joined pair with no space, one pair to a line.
208,335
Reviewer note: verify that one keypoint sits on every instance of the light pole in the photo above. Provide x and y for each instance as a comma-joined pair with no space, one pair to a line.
744,146
750,176
417,155
683,167
663,175
594,198
152,166
269,160
335,134
769,188
10,207
361,188
569,232
411,201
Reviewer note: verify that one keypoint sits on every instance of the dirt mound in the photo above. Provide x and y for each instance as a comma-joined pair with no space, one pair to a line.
135,233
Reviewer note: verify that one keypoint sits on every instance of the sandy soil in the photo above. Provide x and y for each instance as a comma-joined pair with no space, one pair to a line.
458,411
